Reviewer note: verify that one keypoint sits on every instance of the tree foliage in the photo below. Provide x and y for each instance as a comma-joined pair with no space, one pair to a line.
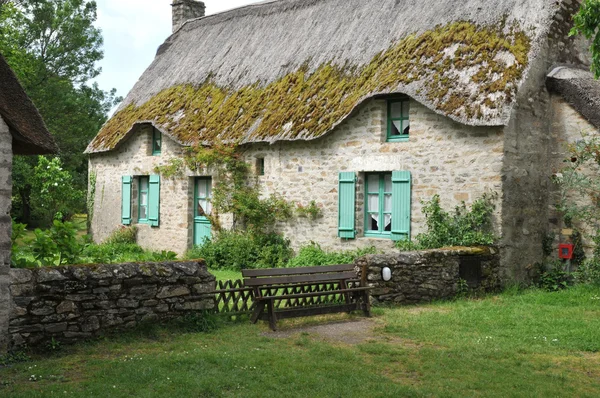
587,23
54,47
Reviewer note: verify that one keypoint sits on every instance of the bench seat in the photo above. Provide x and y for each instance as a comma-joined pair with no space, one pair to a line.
281,293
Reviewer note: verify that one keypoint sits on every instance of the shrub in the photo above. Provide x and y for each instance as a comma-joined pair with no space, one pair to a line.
552,276
56,246
237,250
464,227
123,234
313,255
588,273
111,253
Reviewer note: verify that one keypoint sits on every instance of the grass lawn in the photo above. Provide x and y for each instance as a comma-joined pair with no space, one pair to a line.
517,344
224,275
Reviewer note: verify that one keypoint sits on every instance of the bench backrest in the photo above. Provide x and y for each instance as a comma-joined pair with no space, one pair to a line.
282,276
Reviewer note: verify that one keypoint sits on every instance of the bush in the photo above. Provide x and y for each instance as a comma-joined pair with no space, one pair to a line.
112,253
552,276
237,250
588,273
123,234
313,255
464,227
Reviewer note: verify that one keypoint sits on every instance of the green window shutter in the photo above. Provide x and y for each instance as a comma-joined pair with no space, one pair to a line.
154,200
126,200
401,189
347,205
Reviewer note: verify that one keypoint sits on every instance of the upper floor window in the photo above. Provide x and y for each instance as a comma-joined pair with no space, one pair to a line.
156,142
398,122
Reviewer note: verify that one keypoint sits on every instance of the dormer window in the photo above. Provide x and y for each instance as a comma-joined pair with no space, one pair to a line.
156,142
398,121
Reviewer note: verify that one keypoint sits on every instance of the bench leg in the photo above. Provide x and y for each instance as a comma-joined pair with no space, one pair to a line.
272,315
260,308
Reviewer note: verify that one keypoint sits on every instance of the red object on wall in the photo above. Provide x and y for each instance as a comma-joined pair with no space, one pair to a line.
565,251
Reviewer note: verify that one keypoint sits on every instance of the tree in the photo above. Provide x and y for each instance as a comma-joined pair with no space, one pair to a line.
587,23
53,47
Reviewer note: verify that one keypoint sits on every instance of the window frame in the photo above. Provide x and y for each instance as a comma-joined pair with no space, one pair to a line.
260,166
381,192
390,120
197,198
156,137
139,199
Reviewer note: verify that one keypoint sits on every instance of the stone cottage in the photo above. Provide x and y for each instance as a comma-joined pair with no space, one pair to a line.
366,107
22,132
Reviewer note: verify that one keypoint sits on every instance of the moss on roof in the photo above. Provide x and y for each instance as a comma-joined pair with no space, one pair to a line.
461,69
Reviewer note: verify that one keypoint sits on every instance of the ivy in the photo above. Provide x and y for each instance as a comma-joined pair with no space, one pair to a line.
235,190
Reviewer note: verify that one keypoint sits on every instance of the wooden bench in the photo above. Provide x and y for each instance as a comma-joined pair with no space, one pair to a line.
296,292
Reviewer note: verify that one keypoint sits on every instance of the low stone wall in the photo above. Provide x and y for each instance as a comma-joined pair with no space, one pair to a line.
75,303
424,276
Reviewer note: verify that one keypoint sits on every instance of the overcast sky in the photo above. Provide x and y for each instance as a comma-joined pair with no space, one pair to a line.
133,30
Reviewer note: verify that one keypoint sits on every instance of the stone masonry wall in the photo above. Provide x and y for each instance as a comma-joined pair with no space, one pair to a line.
568,127
74,303
458,162
424,276
455,161
5,229
134,158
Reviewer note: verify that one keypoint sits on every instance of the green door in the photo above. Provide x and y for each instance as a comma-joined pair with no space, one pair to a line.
202,208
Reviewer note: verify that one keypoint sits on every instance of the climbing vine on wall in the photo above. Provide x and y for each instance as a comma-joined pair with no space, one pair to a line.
235,190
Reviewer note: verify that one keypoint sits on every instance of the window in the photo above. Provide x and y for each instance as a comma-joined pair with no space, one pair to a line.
143,199
378,211
386,209
156,142
260,166
203,197
148,200
398,121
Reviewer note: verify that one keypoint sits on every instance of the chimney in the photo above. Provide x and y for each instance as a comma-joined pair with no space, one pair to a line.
184,10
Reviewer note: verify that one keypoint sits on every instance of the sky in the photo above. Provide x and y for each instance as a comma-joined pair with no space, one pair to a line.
132,31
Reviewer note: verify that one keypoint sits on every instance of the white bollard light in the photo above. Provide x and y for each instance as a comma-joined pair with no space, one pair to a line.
386,274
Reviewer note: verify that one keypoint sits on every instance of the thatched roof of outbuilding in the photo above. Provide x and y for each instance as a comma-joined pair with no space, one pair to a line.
30,135
294,69
579,88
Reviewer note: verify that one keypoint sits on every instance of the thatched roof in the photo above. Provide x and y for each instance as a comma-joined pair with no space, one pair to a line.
579,88
294,69
30,135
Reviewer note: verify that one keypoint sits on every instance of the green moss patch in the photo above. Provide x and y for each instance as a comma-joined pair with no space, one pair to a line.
464,70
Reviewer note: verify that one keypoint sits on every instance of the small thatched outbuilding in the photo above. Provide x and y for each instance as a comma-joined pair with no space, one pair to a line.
366,107
22,132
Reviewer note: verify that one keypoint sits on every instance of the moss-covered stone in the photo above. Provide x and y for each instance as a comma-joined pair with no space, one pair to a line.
465,70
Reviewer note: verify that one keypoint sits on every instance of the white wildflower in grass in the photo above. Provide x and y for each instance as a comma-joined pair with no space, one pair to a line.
595,297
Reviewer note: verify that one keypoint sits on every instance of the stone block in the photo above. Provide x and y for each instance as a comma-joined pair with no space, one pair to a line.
20,276
90,324
187,267
173,291
55,328
49,275
128,303
66,306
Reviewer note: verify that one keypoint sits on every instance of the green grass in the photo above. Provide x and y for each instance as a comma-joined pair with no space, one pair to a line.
517,344
224,275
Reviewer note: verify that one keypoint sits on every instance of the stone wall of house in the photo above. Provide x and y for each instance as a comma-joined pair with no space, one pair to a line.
5,229
134,158
568,126
74,303
529,151
457,162
424,276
